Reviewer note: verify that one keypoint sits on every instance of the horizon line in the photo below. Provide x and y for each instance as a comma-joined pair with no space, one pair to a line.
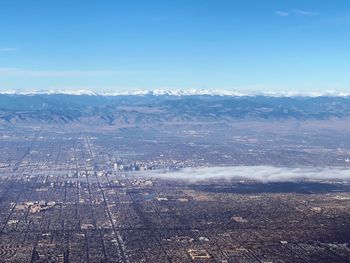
180,92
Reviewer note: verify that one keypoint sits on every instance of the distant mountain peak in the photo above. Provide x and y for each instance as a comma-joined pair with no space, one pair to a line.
165,106
181,92
50,92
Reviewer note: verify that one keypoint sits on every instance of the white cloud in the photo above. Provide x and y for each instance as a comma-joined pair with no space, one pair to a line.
303,12
299,12
281,13
257,173
8,49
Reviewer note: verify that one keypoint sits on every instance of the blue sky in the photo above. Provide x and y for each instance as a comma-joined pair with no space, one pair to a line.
107,45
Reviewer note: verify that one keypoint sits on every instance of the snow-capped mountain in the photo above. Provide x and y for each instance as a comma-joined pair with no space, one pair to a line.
179,92
164,106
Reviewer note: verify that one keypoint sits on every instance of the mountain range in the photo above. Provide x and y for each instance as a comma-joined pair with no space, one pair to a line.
159,106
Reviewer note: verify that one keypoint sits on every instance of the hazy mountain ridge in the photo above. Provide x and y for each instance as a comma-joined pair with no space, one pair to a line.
178,92
150,108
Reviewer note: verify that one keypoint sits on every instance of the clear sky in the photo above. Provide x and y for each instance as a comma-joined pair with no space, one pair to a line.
106,45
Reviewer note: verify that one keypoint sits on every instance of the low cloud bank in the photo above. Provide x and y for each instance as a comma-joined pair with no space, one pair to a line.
263,174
